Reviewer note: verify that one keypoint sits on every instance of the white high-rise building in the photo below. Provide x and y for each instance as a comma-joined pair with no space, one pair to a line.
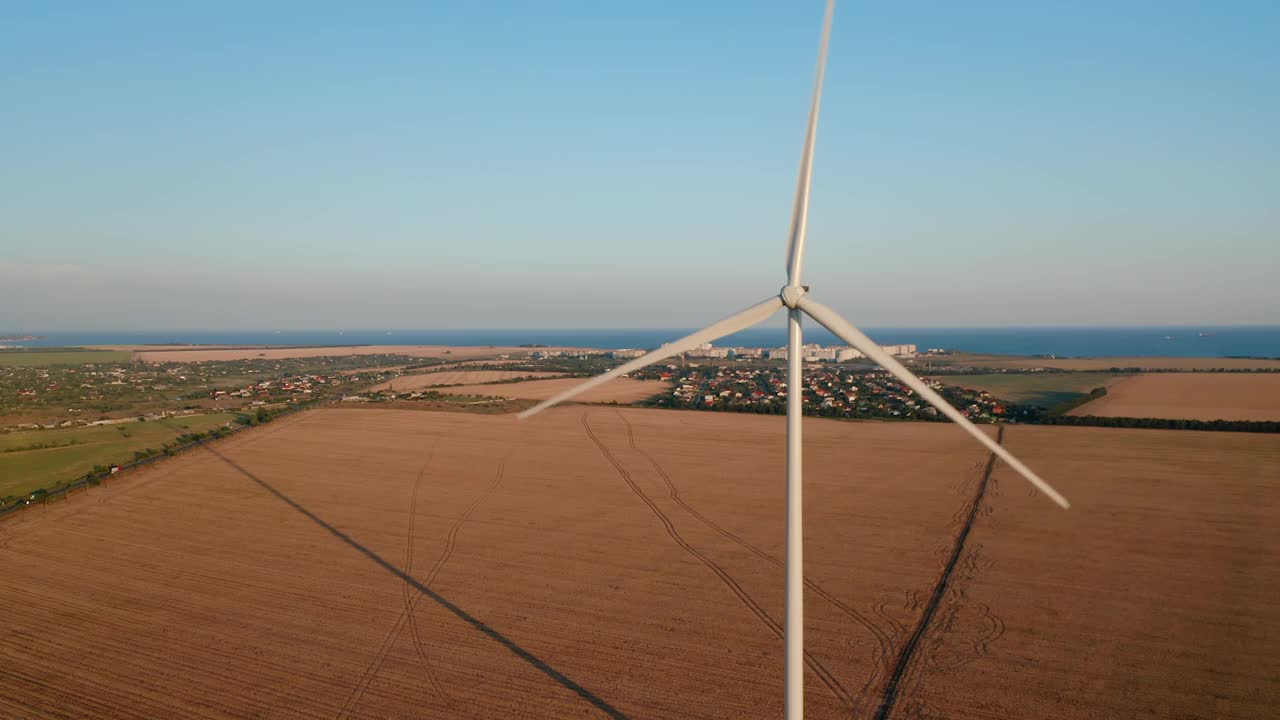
904,349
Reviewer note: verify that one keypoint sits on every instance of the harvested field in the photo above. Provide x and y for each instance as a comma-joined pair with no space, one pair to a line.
408,383
1191,396
1155,596
623,390
1104,363
201,354
592,563
624,563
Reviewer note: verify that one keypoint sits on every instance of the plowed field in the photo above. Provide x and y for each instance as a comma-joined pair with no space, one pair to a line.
623,390
408,383
1155,596
624,563
1191,396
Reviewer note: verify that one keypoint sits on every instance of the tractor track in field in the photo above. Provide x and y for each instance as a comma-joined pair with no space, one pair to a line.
827,678
883,640
412,598
890,696
406,591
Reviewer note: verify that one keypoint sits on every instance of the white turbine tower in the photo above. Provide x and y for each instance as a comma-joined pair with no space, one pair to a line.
795,298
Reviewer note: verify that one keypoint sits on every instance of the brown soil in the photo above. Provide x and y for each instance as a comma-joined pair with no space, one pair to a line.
1154,596
408,383
586,563
623,390
623,563
1191,396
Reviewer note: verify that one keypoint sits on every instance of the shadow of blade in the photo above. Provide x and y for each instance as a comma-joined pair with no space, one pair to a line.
471,620
889,699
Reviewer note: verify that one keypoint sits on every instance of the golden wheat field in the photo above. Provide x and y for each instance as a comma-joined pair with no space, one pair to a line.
409,383
621,390
1191,396
600,562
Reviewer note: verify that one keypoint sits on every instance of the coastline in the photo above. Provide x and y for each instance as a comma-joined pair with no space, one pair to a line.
1249,341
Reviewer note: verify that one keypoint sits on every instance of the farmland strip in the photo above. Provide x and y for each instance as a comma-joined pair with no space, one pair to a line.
890,696
882,638
388,640
411,600
407,593
488,631
816,666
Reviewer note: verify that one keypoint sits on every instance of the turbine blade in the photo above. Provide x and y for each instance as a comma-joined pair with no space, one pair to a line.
738,321
852,335
800,210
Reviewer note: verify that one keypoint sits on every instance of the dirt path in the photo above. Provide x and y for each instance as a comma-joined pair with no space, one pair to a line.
408,595
883,640
412,595
827,678
909,651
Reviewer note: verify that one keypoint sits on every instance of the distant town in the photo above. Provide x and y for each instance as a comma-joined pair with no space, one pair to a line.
813,352
828,390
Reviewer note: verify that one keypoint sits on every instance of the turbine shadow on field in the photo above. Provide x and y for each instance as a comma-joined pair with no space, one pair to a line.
471,620
903,665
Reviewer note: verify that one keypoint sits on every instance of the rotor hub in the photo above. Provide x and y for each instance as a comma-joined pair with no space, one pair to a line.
791,295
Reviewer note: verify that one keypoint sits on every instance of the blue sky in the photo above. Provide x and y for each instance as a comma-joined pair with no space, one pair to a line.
588,164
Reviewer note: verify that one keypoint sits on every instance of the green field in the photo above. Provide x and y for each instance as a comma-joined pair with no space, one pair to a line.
1043,389
31,459
44,357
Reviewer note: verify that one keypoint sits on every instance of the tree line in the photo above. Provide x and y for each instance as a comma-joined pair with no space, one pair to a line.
1257,426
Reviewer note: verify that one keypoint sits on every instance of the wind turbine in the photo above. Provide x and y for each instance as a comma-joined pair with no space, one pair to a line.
796,299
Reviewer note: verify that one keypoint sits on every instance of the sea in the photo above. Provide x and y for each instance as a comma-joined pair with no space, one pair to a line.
1183,341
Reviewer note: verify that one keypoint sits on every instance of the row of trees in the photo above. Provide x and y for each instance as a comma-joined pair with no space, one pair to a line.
1136,370
1068,406
141,457
1258,426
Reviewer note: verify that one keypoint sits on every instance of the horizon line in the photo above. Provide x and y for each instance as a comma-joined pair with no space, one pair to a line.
384,329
